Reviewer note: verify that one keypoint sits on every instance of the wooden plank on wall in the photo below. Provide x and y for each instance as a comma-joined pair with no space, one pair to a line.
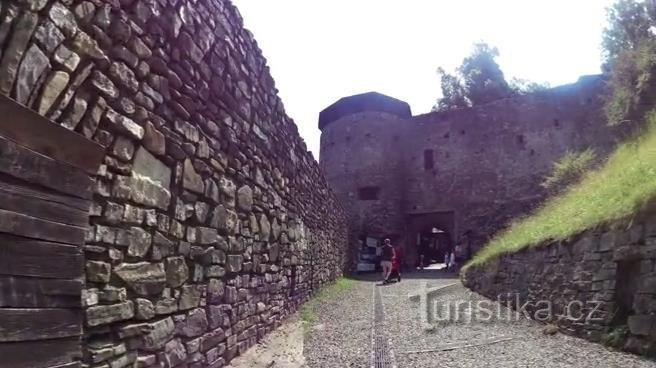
39,208
39,354
39,324
32,130
27,257
23,225
35,168
28,292
21,188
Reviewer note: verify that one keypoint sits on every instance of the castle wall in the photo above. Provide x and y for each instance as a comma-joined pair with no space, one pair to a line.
210,220
590,285
488,161
362,151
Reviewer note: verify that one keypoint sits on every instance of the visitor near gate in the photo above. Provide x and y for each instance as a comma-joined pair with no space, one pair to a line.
387,253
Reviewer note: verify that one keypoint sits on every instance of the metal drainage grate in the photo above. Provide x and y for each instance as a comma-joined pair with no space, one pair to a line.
381,356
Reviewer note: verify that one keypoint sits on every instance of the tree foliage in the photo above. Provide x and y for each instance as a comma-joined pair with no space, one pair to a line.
479,80
629,23
629,46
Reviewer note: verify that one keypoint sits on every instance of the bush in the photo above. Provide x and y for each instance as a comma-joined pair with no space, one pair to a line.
616,337
632,84
570,169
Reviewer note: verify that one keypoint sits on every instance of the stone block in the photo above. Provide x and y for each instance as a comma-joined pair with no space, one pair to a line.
98,271
143,278
225,220
191,180
177,272
195,324
641,325
104,314
161,332
245,198
147,166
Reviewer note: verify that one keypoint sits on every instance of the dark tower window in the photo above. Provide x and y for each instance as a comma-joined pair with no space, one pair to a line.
429,160
368,193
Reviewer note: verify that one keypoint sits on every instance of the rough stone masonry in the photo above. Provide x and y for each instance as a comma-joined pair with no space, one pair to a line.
210,221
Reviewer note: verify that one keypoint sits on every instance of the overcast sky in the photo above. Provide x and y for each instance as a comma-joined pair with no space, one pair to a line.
321,50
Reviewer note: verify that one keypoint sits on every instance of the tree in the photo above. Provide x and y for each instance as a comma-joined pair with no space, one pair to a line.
484,81
629,23
453,93
478,80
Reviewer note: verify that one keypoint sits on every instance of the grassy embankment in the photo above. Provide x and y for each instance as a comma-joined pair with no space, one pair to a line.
308,310
620,187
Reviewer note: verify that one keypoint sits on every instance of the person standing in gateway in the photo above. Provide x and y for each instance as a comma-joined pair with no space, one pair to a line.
386,259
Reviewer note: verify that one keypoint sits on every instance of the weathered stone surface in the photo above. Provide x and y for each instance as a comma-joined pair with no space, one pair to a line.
75,114
123,148
104,84
67,58
190,297
53,87
124,124
98,271
34,64
177,272
15,49
143,278
154,140
140,242
195,324
34,5
144,309
206,235
146,165
49,36
234,263
265,228
192,181
225,220
104,314
174,353
86,45
63,18
141,190
245,198
160,333
122,74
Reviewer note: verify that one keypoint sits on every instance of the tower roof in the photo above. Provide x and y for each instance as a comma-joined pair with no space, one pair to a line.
370,101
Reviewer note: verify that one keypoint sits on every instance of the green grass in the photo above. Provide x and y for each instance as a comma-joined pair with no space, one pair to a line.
622,186
308,312
570,168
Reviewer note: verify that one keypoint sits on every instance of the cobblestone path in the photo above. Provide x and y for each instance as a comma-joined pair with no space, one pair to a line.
350,332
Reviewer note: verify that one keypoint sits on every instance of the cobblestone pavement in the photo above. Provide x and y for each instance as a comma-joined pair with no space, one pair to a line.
342,336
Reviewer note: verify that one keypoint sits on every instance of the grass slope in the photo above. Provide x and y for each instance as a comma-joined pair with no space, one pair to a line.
308,310
624,184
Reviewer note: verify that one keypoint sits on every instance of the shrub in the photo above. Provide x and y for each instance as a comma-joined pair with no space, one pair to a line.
570,169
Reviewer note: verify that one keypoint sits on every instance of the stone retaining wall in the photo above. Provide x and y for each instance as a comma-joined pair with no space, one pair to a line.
210,220
598,284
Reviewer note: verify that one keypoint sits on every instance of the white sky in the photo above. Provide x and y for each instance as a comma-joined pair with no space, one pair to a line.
321,50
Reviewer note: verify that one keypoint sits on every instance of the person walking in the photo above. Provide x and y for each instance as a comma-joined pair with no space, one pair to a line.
387,253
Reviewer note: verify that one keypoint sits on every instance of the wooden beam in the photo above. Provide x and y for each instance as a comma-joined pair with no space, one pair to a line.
35,168
40,354
39,324
28,292
27,226
28,257
39,134
20,201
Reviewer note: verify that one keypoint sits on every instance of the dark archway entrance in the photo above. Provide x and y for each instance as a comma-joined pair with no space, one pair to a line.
430,234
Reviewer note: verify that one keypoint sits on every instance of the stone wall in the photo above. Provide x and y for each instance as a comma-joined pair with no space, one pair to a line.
210,220
488,161
598,283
